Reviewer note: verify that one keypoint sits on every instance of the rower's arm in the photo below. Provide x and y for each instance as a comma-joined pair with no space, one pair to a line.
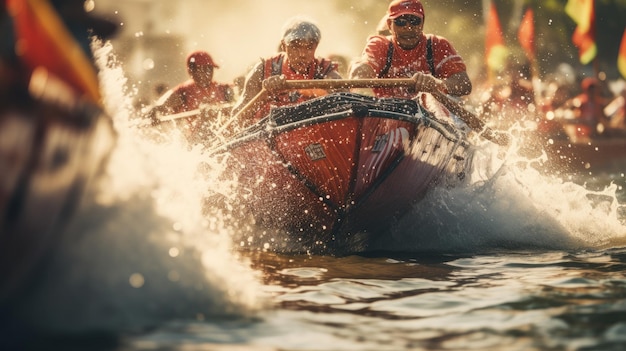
360,70
252,86
165,105
458,84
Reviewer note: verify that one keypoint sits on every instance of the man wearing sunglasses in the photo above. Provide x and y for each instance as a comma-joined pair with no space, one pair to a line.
408,52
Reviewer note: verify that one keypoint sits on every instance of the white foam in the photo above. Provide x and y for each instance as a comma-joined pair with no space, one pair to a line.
140,250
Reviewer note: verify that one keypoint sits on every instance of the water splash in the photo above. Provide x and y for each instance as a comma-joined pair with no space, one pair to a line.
507,204
142,251
155,192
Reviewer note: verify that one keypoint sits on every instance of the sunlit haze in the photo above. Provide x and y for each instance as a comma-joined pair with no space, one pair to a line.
156,35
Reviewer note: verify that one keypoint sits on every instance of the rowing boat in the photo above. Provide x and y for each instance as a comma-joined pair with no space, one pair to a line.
333,173
600,153
576,147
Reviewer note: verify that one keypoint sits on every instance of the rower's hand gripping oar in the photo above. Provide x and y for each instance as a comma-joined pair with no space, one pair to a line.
468,117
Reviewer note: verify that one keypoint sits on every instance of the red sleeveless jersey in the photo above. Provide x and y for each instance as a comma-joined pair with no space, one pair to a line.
194,96
405,63
278,65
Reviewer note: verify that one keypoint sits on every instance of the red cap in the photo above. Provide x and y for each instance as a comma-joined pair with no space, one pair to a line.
201,58
398,8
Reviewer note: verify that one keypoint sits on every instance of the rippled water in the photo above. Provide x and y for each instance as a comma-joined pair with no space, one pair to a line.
539,300
505,301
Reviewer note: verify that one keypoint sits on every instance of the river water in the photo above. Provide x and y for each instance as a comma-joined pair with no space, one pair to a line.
513,260
533,300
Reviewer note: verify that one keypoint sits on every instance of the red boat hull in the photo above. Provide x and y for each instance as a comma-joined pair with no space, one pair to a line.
332,181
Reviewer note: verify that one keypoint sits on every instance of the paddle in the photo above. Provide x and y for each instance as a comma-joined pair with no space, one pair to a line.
468,117
191,113
472,120
220,107
321,84
249,108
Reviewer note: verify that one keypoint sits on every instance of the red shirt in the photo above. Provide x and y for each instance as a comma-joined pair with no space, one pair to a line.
193,96
405,63
278,65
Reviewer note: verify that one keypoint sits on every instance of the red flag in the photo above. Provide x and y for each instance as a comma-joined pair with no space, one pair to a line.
42,40
526,34
584,37
496,52
621,57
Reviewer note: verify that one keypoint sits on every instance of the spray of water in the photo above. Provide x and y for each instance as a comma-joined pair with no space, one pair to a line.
142,251
507,204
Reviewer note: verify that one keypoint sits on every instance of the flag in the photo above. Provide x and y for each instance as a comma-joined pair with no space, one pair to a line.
43,41
584,37
496,51
621,57
526,34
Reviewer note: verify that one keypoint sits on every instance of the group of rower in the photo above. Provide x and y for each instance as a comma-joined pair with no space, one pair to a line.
559,106
401,49
430,60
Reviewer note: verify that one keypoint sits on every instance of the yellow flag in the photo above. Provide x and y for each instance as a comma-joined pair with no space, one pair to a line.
621,58
583,13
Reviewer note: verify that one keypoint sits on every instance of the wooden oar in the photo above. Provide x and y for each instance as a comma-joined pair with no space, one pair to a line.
472,120
468,117
348,83
250,108
191,113
321,84
175,116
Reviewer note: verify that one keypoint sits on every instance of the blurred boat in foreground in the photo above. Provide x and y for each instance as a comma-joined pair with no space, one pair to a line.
48,153
54,139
